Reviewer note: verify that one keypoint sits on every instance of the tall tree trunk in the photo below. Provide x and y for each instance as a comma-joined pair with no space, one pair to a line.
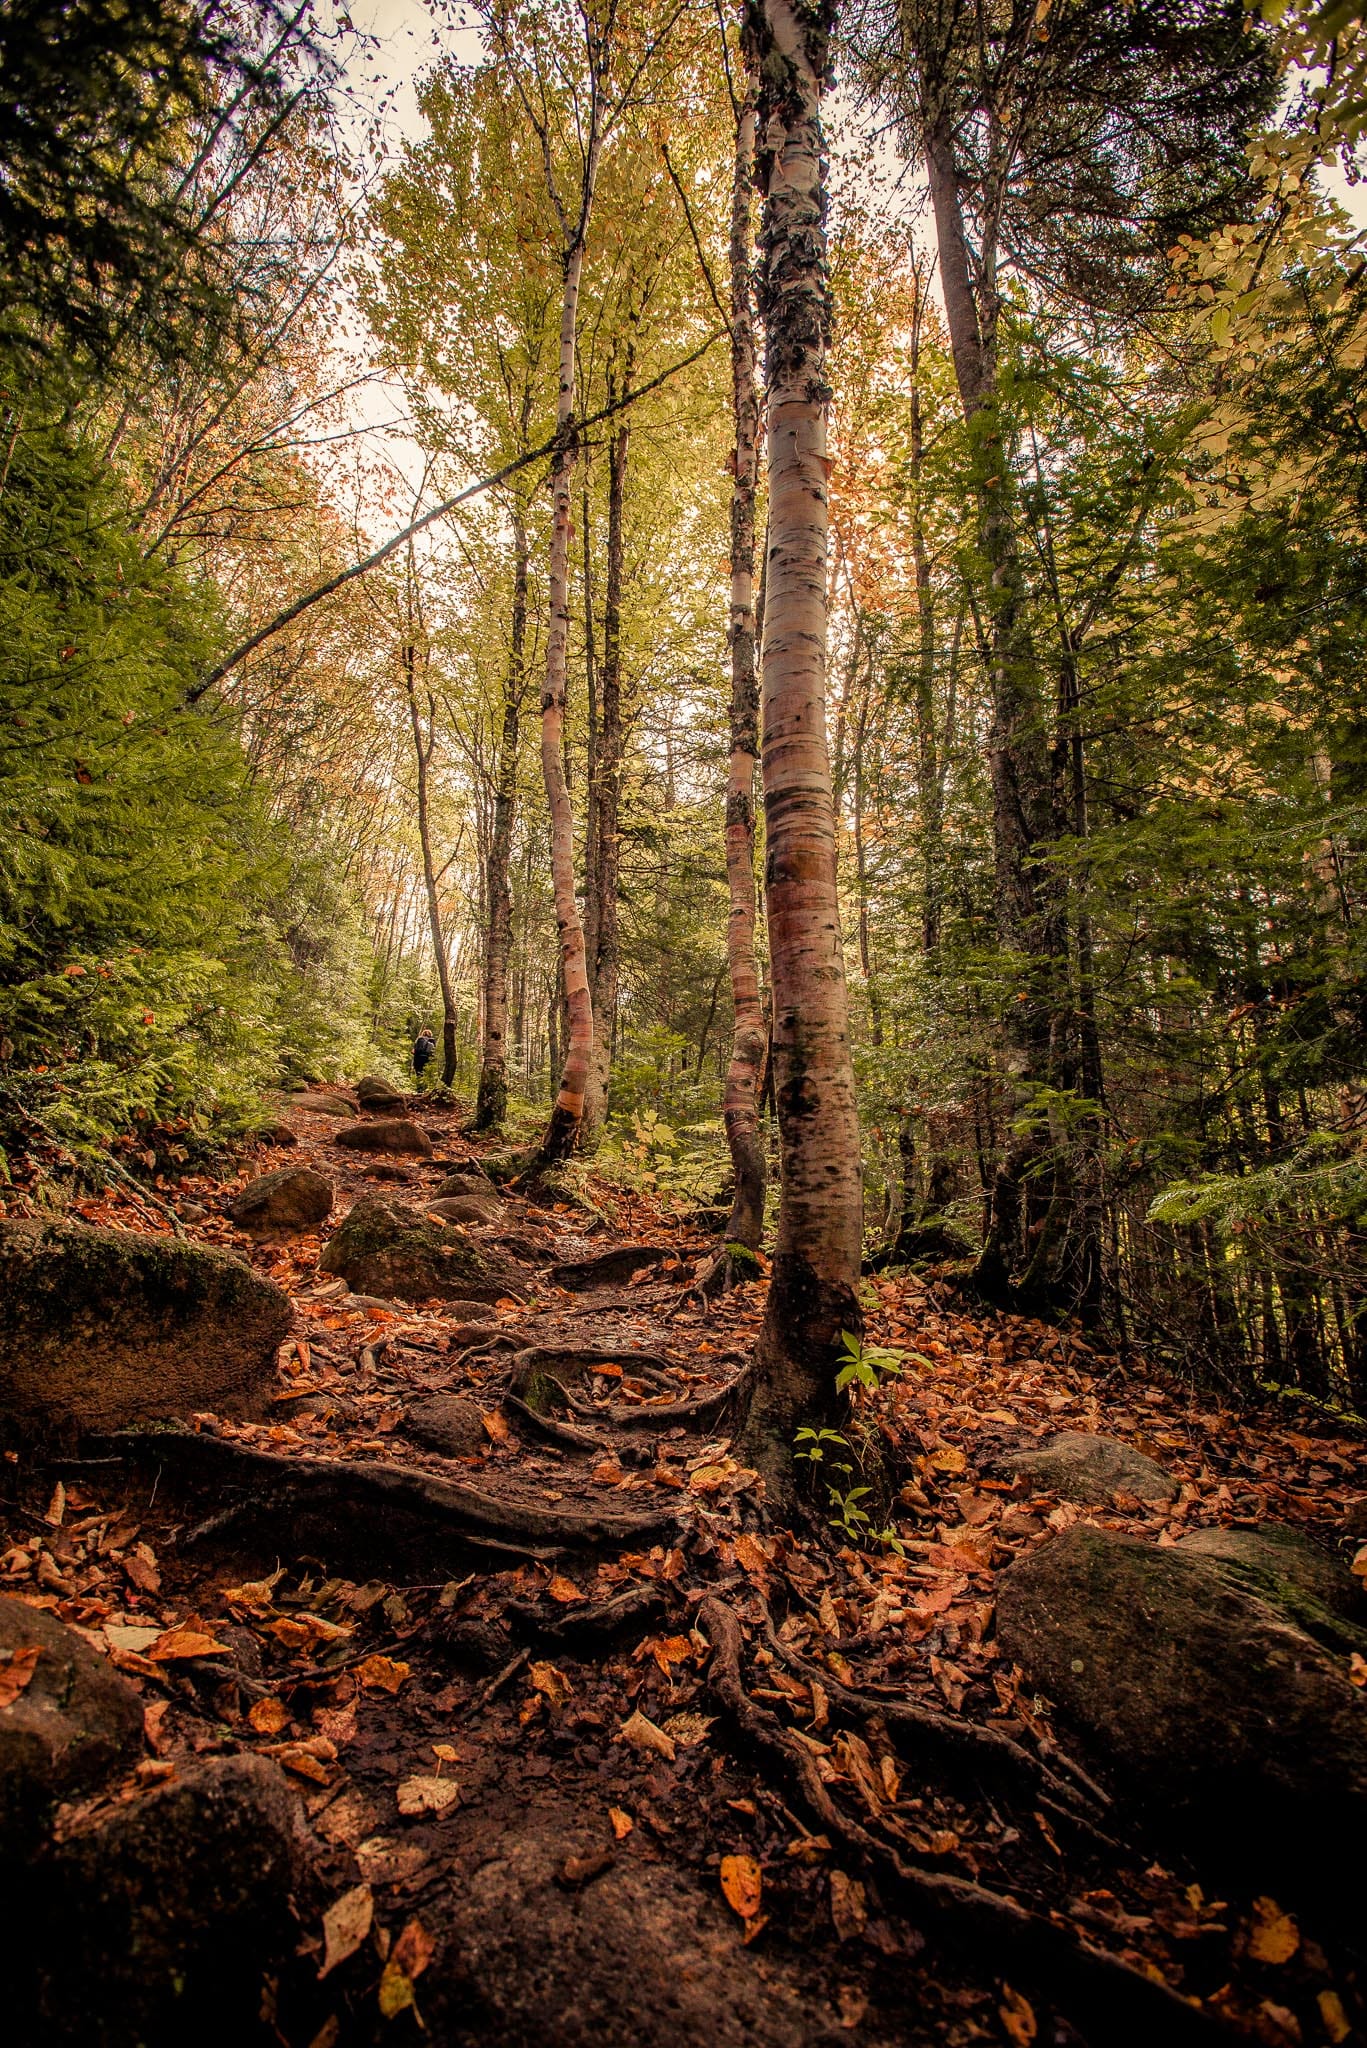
422,750
749,1034
491,1103
562,1130
813,1293
1012,1265
604,959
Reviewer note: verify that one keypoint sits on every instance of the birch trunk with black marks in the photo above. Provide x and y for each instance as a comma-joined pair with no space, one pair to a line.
813,1294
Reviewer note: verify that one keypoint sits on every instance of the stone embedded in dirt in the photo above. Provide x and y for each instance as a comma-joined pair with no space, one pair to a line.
388,1134
159,1917
278,1135
373,1092
1293,1573
323,1105
103,1328
389,1249
446,1423
74,1725
612,1268
464,1208
1091,1470
292,1198
385,1169
1228,1723
467,1178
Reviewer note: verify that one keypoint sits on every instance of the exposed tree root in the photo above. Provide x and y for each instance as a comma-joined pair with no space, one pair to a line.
963,1745
384,1515
609,1268
590,1628
536,1375
549,1430
703,1413
1117,2005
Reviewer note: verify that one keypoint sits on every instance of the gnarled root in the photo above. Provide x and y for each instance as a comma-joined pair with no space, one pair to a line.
1109,2000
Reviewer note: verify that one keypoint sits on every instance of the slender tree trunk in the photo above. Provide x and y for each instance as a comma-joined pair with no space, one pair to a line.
491,1103
749,1035
562,1130
813,1293
604,956
1011,1266
422,750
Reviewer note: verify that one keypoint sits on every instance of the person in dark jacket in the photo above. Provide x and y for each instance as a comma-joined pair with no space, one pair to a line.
424,1047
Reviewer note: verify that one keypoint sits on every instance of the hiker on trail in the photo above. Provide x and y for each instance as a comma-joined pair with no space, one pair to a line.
424,1047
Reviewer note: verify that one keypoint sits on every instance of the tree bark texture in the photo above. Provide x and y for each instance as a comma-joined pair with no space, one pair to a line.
603,857
813,1292
749,1036
491,1102
1015,1263
422,750
562,1130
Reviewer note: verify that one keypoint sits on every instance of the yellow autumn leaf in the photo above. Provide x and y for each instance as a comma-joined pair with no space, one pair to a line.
742,1883
1017,2016
1274,1936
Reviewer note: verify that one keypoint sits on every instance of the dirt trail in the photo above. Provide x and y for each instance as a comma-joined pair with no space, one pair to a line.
716,1779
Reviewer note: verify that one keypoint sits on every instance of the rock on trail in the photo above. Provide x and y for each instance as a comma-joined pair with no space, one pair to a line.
292,1198
103,1328
1191,1671
1091,1470
388,1134
388,1249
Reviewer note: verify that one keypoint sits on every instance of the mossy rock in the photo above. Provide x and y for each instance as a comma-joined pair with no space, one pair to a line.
100,1329
1292,1573
1224,1720
389,1249
1091,1470
75,1724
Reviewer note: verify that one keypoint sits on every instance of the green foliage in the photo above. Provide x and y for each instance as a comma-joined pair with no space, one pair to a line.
161,943
649,1154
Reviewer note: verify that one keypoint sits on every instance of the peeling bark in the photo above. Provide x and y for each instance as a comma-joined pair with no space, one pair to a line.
813,1291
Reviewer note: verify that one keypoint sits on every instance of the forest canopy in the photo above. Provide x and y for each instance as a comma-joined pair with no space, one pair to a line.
1090,313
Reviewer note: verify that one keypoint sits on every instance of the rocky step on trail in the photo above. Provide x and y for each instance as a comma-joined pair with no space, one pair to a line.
442,1658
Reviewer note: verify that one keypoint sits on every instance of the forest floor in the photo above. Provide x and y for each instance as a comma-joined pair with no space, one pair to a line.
680,1773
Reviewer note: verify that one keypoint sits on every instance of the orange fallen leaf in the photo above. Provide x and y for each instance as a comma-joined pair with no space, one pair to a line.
849,1913
381,1674
742,1883
643,1734
423,1794
622,1823
176,1643
551,1683
1017,2016
1274,1936
414,1949
346,1924
15,1673
564,1590
268,1716
495,1427
1333,2017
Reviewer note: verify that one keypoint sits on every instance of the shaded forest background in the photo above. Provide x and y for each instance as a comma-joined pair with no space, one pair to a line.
1096,687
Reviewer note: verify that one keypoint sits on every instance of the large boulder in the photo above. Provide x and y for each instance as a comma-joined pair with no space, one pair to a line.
1208,1701
373,1092
1091,1470
386,1134
1294,1574
74,1724
159,1917
103,1328
322,1105
388,1249
277,1204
